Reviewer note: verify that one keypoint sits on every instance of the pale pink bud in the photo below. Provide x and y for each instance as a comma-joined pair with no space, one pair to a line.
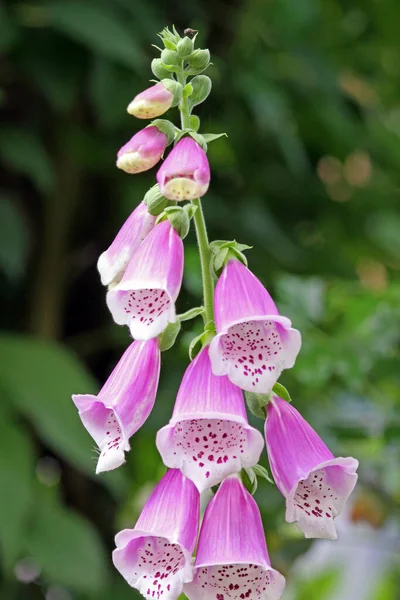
185,173
143,151
151,103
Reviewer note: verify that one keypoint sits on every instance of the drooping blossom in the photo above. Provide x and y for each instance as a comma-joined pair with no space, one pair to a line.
155,557
232,561
145,297
143,151
315,483
151,103
208,437
113,262
185,173
123,404
254,343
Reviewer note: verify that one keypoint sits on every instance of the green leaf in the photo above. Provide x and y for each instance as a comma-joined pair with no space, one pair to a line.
282,392
14,239
67,547
192,313
210,137
16,479
249,480
261,471
24,152
99,27
169,335
39,377
256,403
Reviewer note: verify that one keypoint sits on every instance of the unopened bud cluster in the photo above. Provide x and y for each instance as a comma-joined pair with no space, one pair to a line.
244,347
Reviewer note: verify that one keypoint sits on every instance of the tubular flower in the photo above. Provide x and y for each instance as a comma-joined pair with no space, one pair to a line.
123,404
113,262
208,437
254,343
185,173
155,556
151,103
145,297
143,151
232,561
315,483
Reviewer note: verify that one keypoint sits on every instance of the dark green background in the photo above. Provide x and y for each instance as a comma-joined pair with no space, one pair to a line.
308,92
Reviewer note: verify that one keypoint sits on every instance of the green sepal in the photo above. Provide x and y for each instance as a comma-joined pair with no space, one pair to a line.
170,58
222,251
171,36
179,217
185,47
201,340
195,123
156,203
198,61
199,139
192,313
281,391
261,471
249,480
175,88
201,89
169,45
169,335
210,137
158,70
257,403
165,127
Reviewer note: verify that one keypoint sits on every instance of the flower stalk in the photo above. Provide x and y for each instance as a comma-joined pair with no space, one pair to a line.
199,222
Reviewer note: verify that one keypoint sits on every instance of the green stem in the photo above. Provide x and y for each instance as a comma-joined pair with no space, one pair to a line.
200,225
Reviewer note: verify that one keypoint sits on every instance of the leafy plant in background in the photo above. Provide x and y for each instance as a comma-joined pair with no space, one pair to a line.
315,89
245,344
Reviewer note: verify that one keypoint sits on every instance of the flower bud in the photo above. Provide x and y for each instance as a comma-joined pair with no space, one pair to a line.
153,102
185,47
170,57
199,60
201,88
143,150
158,69
185,173
155,201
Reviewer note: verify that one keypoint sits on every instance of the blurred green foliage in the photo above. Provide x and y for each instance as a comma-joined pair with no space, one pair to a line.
309,176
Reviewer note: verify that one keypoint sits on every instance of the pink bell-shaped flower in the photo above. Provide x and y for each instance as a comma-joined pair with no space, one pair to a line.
155,557
151,103
315,483
113,262
232,560
145,297
208,437
185,173
254,343
143,151
123,404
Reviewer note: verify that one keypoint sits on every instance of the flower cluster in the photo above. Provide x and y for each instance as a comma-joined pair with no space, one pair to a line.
245,346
